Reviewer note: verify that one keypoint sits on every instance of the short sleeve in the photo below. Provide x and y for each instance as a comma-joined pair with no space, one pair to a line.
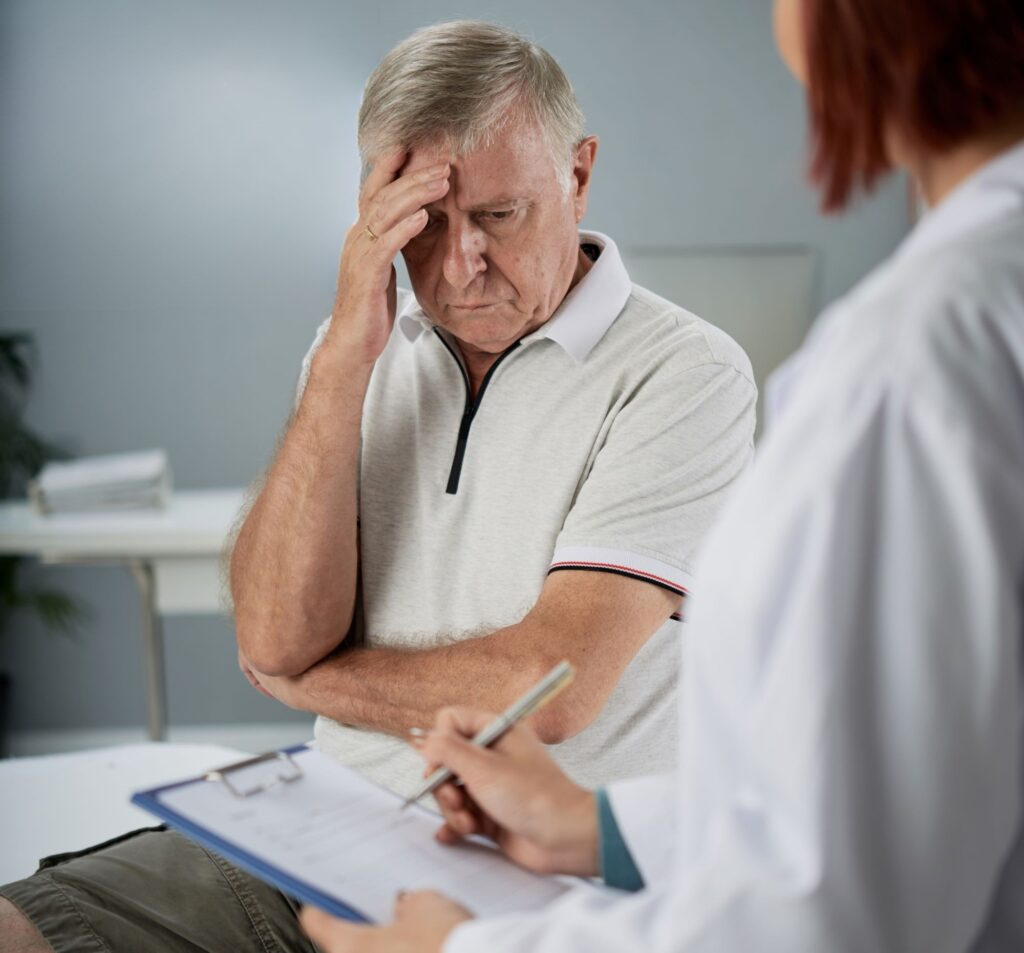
671,455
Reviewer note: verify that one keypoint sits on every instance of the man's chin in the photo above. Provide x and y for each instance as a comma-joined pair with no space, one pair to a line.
485,329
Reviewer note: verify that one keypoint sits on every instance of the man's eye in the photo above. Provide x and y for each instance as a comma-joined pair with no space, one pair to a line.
498,215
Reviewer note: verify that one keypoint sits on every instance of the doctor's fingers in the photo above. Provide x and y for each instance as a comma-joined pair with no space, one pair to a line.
485,773
334,935
430,911
462,720
462,815
404,196
468,722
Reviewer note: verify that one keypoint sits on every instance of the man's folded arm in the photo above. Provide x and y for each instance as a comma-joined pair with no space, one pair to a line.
598,621
294,565
648,501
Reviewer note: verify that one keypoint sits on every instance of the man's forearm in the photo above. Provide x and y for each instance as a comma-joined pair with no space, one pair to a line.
294,565
596,621
393,690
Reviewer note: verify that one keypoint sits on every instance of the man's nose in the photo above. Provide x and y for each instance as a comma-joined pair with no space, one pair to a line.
464,256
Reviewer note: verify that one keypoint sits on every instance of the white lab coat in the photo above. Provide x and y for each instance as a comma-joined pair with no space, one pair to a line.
851,767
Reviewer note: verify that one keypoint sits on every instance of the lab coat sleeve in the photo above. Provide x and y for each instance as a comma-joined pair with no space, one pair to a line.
581,922
851,778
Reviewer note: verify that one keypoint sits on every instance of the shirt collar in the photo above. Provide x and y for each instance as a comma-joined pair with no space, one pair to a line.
582,318
994,192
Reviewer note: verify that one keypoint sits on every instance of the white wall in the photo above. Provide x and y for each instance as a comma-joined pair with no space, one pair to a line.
175,180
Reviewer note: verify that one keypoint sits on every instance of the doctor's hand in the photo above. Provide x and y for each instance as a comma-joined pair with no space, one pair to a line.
423,920
514,794
391,213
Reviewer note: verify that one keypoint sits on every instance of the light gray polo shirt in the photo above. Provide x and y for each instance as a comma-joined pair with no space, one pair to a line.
604,441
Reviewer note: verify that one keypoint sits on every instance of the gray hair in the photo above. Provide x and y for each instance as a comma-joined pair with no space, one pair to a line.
462,83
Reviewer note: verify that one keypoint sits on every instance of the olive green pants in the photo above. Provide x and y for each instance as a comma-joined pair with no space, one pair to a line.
152,891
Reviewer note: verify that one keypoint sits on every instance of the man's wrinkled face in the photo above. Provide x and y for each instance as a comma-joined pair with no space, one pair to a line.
500,249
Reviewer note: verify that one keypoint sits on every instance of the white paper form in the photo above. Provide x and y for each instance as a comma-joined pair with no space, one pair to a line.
337,831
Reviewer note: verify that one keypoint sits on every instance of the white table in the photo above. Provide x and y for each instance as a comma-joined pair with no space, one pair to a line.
64,802
174,555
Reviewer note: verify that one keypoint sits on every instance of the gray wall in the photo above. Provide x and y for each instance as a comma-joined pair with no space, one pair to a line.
175,180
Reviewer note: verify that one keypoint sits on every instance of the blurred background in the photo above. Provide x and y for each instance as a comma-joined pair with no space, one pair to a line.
176,177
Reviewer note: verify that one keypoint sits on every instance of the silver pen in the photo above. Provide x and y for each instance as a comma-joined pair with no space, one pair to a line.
541,693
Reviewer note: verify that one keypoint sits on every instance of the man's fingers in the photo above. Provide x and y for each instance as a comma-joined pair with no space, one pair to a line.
260,687
395,239
379,253
247,671
382,170
400,199
374,204
388,220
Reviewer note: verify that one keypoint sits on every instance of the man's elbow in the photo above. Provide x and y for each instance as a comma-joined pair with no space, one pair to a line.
270,656
283,633
268,660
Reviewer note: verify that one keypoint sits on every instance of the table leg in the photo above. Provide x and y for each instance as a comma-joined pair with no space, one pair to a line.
156,702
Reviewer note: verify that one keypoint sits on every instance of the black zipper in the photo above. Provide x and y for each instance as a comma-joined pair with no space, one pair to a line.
472,406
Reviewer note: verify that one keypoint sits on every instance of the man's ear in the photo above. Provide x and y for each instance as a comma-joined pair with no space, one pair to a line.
582,172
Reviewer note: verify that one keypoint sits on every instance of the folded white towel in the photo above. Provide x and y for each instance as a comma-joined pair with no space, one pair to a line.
113,481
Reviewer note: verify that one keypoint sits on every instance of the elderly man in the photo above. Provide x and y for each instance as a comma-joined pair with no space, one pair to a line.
526,410
513,465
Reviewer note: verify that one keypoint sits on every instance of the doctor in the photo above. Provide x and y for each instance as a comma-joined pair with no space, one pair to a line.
851,775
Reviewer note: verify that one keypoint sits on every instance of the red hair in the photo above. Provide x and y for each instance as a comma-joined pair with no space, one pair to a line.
938,71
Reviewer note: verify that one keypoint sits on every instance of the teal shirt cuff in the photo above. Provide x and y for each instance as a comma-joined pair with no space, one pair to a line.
617,867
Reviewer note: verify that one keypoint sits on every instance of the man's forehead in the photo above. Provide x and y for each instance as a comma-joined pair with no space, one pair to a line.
509,167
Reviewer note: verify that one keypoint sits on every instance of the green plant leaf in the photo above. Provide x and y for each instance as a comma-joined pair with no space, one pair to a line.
16,351
22,455
58,611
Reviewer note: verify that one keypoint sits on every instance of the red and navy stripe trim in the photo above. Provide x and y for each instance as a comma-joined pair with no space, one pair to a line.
629,571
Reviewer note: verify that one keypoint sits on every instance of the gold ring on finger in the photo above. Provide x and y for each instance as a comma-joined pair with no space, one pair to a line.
371,234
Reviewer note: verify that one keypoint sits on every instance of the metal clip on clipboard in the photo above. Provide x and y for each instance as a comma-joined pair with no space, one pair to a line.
279,757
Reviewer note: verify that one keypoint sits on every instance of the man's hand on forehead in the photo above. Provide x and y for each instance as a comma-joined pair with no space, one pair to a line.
396,208
421,156
395,191
391,213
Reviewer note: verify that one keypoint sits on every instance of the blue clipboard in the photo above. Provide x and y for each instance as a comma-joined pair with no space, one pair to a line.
300,890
